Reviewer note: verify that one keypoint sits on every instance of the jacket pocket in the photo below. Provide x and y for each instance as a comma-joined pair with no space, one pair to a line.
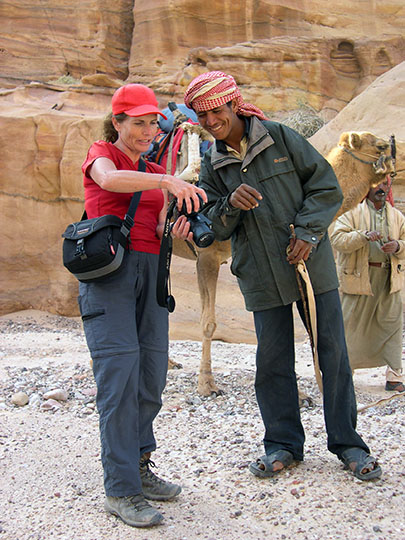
284,168
351,282
245,265
283,193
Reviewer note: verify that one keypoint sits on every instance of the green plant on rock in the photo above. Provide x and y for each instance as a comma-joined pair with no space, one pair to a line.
66,79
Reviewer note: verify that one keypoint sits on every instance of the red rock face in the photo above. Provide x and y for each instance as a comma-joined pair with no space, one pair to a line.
316,44
277,74
47,39
268,43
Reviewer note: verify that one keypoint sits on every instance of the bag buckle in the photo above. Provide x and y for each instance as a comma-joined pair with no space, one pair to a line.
127,225
80,251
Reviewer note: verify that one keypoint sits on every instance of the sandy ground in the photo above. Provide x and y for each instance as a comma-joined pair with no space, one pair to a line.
51,475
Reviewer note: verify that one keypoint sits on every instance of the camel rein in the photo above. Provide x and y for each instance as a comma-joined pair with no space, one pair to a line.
377,164
309,307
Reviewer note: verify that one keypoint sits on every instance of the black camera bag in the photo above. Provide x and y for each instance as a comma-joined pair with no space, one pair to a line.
95,248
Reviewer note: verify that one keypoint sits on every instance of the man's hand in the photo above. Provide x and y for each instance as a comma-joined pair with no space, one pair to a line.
299,249
373,236
245,197
392,246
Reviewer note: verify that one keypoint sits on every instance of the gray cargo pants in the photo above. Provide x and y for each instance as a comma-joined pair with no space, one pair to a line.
127,335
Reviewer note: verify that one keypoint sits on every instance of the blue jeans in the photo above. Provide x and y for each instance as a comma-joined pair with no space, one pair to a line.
276,384
127,335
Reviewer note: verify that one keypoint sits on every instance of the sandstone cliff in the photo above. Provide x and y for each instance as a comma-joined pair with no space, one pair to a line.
41,41
279,73
281,52
41,191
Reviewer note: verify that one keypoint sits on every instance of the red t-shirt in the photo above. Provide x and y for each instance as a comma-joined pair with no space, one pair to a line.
99,202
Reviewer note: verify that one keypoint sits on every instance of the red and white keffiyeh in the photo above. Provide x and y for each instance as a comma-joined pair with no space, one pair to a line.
215,88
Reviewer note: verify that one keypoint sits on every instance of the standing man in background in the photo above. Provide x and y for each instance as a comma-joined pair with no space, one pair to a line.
370,241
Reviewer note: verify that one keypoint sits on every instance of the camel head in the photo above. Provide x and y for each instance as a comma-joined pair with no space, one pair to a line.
369,150
361,161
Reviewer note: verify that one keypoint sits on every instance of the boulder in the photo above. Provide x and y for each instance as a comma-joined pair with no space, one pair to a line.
378,109
49,39
41,192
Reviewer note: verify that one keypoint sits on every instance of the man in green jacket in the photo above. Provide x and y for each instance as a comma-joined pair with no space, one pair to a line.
260,177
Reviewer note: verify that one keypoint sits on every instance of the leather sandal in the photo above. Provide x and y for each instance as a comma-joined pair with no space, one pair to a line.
360,460
263,467
394,386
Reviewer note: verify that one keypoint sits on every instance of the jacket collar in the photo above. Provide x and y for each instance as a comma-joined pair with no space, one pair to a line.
258,140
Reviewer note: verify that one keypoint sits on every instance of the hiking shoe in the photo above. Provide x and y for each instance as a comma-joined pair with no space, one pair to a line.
153,487
133,510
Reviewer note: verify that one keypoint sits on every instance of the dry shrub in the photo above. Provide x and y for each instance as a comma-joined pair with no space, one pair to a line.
66,79
305,120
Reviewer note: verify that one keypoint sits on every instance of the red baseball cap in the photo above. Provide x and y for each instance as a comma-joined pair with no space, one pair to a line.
135,100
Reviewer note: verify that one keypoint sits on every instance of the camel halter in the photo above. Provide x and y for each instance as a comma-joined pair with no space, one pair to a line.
378,162
393,155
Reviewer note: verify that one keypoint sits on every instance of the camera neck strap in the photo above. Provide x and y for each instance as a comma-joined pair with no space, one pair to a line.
163,296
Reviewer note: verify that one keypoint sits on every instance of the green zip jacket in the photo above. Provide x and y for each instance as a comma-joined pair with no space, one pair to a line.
298,187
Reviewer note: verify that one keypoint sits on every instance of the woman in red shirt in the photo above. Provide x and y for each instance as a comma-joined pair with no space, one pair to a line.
126,330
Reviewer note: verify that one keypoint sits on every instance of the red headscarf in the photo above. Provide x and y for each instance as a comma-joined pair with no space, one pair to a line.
215,88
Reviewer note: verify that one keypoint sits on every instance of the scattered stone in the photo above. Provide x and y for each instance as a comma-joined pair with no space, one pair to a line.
51,405
20,399
90,391
58,394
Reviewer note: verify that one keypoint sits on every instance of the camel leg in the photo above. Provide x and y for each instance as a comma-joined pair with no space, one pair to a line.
174,365
207,272
304,400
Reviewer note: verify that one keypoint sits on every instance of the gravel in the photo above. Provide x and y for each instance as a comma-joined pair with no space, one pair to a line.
51,473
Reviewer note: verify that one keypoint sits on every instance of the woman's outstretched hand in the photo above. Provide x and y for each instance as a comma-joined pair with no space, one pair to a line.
183,191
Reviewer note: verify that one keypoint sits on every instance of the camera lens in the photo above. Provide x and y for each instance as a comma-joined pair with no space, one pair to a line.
205,239
201,227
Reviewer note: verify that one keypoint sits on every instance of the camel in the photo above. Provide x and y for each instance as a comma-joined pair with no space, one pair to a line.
360,161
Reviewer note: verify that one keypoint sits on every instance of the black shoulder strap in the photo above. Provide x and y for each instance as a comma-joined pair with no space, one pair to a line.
133,205
128,221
